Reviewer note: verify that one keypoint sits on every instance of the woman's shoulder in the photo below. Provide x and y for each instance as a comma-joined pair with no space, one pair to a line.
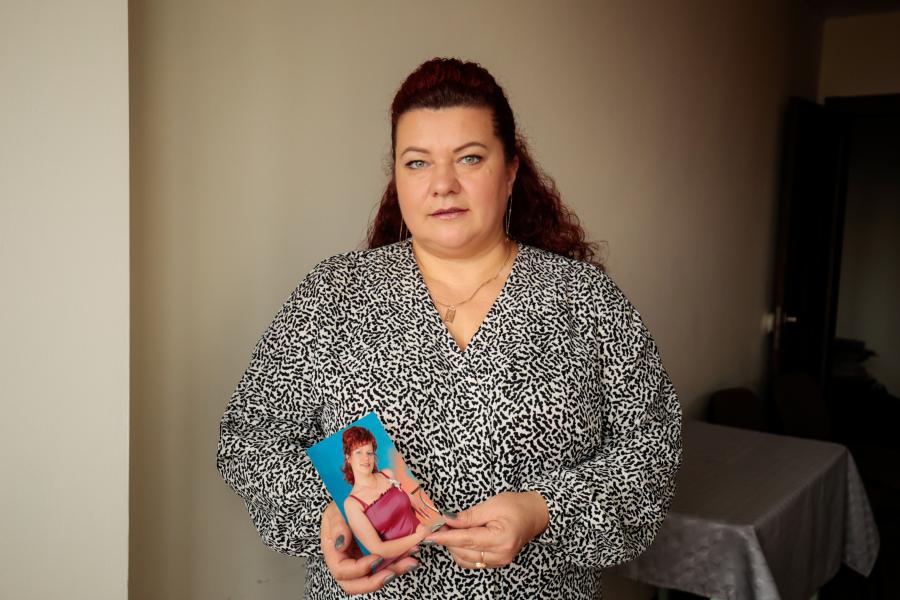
381,262
361,258
351,502
389,478
545,265
551,263
583,286
361,268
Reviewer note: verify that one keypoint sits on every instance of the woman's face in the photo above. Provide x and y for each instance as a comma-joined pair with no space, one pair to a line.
451,160
362,459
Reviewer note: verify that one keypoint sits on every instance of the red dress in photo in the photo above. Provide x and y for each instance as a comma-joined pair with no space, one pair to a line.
392,513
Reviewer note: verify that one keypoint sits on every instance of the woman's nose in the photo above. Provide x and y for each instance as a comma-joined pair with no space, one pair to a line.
444,180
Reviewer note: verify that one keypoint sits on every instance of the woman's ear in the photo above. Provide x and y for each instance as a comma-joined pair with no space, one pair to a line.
511,171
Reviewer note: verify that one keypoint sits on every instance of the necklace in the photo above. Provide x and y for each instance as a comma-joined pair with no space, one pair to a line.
450,314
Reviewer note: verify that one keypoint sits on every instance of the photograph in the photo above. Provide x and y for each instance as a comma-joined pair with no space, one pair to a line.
385,506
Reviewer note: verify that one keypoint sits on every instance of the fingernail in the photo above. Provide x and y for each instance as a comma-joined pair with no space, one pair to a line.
427,543
390,577
449,514
339,542
437,526
377,564
413,568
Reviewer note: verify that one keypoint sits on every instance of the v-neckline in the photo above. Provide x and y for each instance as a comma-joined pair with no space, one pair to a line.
435,315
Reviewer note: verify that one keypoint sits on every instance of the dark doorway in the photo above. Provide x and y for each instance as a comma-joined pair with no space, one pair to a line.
863,380
869,292
835,368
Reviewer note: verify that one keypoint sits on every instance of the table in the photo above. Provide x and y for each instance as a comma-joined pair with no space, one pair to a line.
759,516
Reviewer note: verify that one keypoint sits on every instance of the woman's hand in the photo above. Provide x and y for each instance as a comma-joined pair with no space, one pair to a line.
353,572
492,534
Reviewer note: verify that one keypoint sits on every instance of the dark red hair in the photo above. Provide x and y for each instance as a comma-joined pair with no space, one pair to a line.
353,438
539,218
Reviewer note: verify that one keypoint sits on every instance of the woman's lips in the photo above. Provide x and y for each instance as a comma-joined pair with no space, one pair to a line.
452,213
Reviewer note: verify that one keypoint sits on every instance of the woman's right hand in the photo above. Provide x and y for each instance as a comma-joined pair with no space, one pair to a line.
353,572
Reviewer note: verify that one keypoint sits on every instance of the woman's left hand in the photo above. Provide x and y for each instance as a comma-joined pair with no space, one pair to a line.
492,533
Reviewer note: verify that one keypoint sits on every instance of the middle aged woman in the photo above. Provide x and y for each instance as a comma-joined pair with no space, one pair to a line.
514,376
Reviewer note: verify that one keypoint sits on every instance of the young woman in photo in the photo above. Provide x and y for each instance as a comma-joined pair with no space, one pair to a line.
380,513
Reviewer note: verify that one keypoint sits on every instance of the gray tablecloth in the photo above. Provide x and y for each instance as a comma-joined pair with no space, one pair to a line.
762,516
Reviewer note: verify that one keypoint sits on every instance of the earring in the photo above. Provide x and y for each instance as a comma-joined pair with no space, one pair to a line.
400,237
508,213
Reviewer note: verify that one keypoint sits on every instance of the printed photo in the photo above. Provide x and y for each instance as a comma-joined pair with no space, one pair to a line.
385,506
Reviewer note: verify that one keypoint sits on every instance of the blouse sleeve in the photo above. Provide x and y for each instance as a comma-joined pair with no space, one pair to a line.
272,418
608,509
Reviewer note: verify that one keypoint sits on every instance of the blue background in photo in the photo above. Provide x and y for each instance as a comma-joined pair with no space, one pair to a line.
328,458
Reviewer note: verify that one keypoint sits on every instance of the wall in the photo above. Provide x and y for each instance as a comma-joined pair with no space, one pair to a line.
860,55
260,138
64,310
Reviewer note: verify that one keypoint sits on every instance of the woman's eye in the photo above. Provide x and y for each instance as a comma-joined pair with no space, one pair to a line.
471,159
415,164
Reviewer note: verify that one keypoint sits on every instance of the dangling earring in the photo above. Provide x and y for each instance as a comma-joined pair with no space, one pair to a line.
400,237
508,213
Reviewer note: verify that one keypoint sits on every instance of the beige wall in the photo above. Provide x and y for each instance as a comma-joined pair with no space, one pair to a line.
64,309
861,56
259,142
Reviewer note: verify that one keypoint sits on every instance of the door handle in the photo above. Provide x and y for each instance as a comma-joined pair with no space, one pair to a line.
772,323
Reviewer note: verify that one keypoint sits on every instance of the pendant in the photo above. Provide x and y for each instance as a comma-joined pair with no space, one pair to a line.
450,315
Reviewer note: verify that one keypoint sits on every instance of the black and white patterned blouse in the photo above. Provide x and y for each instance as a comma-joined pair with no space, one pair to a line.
561,391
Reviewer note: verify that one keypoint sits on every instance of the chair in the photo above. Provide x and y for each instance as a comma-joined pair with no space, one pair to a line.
800,402
738,407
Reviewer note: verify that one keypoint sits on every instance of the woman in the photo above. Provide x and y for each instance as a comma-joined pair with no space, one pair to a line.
379,512
512,374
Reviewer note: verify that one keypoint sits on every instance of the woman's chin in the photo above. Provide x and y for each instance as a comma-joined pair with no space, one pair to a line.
452,241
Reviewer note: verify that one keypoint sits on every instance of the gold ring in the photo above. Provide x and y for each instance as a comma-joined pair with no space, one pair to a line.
482,564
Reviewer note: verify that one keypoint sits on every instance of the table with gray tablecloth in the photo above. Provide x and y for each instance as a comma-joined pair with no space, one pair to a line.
759,516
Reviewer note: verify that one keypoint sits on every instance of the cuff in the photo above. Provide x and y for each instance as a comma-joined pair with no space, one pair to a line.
553,493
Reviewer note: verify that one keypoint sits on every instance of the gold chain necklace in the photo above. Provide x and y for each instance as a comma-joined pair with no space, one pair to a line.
451,308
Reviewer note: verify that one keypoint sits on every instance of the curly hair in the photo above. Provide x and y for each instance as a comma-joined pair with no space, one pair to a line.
353,438
539,217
